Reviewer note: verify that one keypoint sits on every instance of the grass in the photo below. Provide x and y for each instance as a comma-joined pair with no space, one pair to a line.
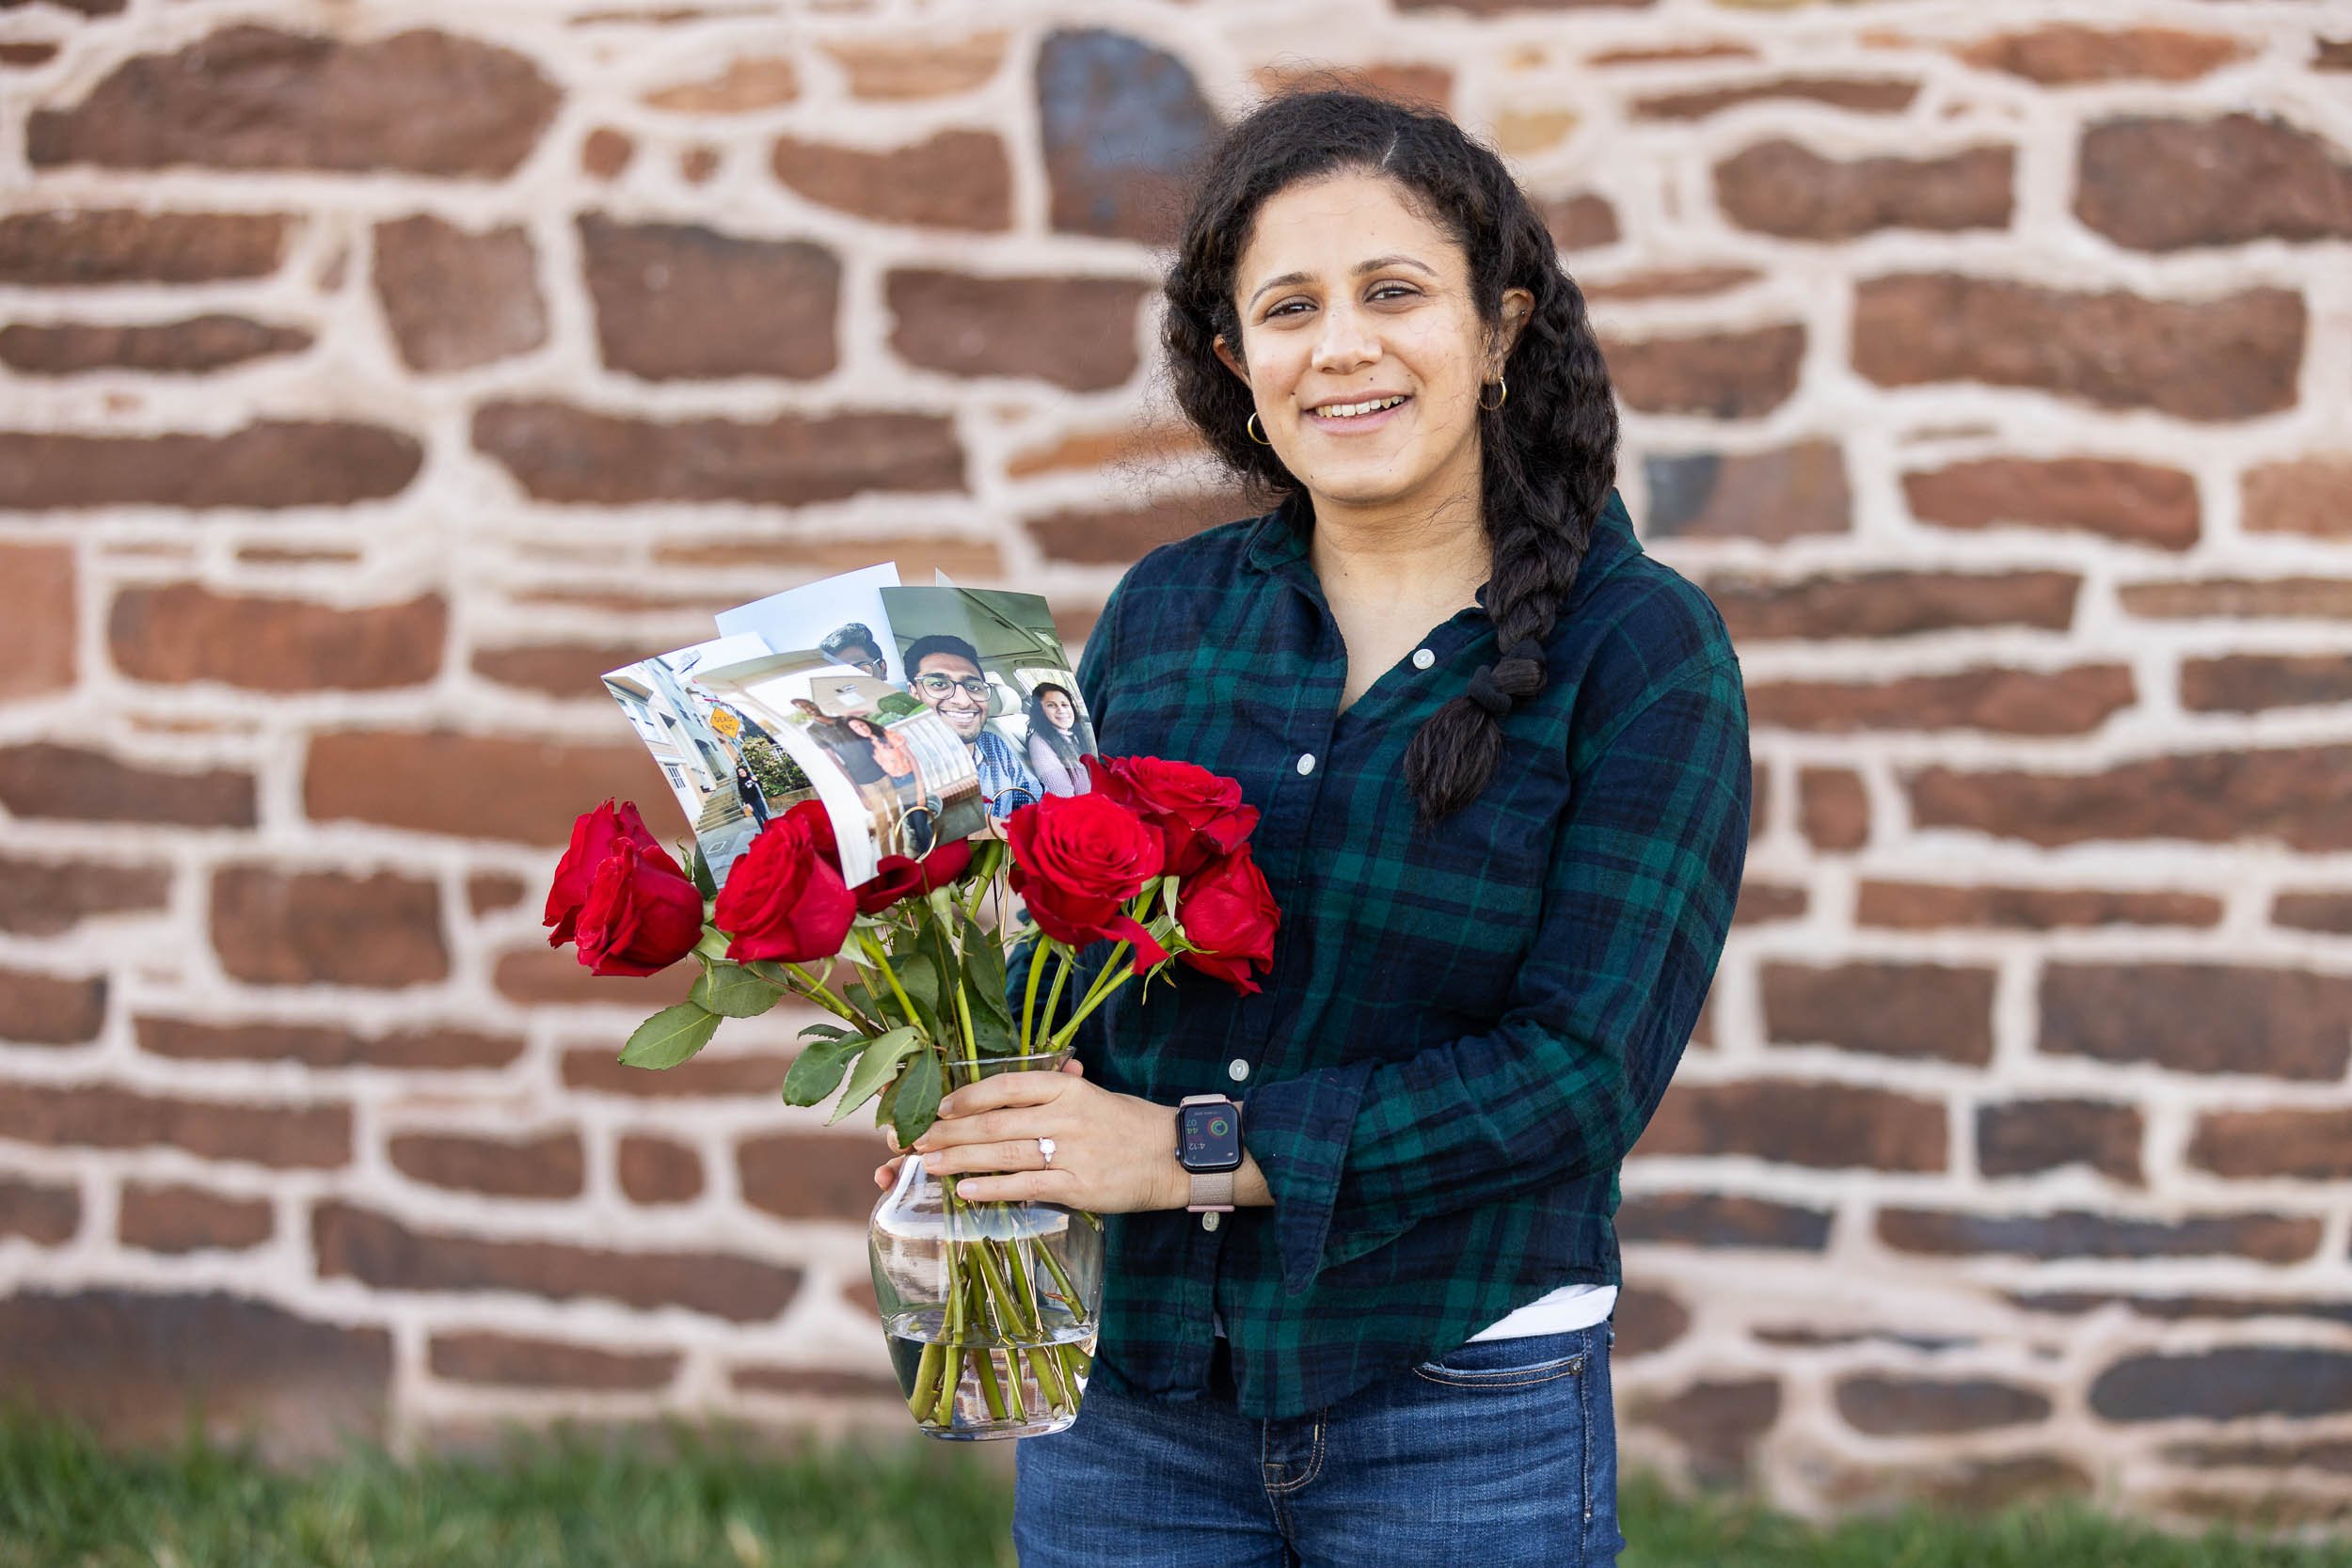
709,1501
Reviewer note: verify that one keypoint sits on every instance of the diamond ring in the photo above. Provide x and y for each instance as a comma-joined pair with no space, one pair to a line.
1046,1147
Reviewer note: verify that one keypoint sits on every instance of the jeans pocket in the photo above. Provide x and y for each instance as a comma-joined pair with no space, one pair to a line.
1504,1364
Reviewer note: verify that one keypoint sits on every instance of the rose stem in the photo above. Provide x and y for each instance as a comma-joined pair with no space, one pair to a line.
1040,953
927,1380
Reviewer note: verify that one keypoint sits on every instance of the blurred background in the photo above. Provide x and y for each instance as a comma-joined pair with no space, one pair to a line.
374,377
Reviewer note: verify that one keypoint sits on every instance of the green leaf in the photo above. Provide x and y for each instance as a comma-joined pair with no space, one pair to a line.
733,991
993,1035
829,1032
984,971
670,1037
918,976
815,1072
699,868
918,1102
876,1066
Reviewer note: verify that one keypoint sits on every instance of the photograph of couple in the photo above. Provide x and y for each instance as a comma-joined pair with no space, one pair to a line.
917,716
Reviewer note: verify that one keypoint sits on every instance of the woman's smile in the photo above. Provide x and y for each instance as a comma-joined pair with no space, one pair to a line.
1357,416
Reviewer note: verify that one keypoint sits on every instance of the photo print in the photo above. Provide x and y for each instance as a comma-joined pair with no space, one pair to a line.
991,666
841,617
726,764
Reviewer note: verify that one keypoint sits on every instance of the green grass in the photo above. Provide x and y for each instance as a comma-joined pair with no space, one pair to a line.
709,1501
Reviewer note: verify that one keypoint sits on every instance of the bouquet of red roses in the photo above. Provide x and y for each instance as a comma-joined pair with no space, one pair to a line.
990,1307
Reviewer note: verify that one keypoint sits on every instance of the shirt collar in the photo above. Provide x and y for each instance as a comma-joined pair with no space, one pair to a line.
1278,541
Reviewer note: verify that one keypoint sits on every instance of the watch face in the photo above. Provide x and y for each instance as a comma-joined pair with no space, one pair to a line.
1211,1138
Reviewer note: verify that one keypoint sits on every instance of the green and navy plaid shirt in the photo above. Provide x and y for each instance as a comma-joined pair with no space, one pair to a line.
1466,1027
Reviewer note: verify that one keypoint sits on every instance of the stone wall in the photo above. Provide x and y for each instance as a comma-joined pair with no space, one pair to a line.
374,377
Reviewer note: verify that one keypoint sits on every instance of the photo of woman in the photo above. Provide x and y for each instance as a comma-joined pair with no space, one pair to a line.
1058,740
747,788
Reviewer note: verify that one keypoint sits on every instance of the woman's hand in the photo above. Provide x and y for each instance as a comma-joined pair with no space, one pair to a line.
886,1174
1113,1153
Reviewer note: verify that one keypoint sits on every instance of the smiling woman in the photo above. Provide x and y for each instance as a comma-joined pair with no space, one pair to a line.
1500,758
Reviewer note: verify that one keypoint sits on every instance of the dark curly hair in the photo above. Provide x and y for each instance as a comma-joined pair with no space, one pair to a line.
1549,455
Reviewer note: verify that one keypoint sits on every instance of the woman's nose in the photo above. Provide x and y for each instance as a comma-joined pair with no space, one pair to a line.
1348,340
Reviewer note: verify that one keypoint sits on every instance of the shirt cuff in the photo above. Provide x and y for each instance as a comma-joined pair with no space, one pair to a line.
1299,1131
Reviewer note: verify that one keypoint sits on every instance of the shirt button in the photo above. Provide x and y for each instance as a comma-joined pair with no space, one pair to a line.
1237,1070
1208,1222
1423,659
1305,762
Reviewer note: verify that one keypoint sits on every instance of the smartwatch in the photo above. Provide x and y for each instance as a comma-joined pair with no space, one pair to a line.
1208,1146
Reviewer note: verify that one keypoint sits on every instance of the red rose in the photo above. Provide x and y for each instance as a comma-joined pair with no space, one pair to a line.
784,898
593,834
820,826
1077,860
642,912
1229,911
1198,815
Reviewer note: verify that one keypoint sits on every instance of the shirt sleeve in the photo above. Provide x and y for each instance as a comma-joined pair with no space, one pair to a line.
1637,899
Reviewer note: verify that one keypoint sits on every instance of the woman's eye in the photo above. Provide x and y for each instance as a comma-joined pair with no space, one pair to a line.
1284,308
1397,291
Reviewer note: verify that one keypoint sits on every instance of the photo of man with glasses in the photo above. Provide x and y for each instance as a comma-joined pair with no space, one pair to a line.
853,645
943,672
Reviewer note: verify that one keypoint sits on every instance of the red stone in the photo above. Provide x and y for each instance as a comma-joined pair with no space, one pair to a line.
51,1009
37,619
677,302
1783,187
953,180
195,346
1917,1010
904,68
1816,1123
2137,502
2225,1382
105,1115
2200,1016
455,298
2064,54
1115,536
41,780
1884,1407
1715,1220
710,1075
1077,333
2073,701
1862,94
2176,184
515,1361
557,669
40,897
552,1166
383,1253
1718,1422
560,453
2290,795
187,632
2313,912
1833,808
2077,1233
325,1045
268,466
816,1382
255,98
2249,682
604,153
2298,598
811,1176
2226,356
1724,375
2299,1144
277,927
539,975
481,787
178,1219
1647,1321
2310,496
1919,907
489,892
38,1211
2024,1137
1773,496
1892,603
655,1171
1583,221
79,248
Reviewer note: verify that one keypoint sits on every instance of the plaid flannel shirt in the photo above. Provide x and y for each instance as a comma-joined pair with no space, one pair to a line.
1466,1027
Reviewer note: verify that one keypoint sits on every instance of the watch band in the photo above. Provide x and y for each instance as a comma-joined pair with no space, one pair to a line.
1212,1191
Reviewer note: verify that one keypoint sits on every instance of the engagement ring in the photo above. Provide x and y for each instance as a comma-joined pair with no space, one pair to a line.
1046,1147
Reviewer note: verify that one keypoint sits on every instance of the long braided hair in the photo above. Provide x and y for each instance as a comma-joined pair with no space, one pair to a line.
1549,454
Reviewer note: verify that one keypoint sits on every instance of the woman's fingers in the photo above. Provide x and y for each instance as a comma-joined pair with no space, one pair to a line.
886,1174
1012,1154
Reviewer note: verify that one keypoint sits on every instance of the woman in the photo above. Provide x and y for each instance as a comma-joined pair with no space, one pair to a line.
747,790
1501,761
890,756
1055,751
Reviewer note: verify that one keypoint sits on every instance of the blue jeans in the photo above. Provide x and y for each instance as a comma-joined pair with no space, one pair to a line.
1501,1454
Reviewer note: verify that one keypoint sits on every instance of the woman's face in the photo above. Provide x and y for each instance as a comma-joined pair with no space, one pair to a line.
860,727
1057,710
1361,345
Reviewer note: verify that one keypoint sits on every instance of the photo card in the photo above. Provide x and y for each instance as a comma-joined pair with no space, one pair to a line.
991,665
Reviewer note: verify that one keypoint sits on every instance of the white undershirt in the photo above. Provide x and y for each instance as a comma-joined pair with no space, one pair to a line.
1568,1307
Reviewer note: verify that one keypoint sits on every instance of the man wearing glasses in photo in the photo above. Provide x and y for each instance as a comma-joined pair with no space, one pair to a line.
943,672
853,645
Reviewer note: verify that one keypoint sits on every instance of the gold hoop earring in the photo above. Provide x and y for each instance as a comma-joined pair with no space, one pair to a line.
1249,427
1504,397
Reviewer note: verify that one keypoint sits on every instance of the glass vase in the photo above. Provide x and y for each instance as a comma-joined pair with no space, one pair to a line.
990,1308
